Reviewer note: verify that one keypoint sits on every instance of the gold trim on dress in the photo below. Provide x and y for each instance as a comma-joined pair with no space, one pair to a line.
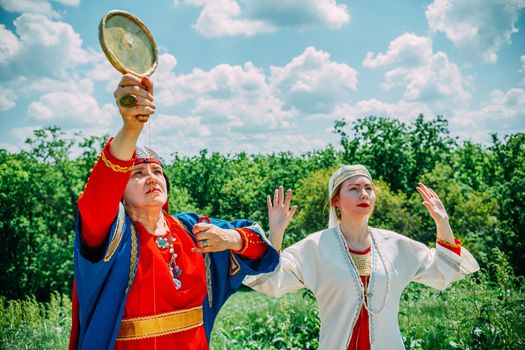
133,260
117,234
115,167
158,325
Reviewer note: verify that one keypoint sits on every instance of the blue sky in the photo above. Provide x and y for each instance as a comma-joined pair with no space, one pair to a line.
266,76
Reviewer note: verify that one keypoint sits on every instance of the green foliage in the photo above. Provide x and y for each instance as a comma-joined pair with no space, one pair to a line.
27,324
394,151
485,311
395,212
311,197
476,313
253,321
509,189
483,189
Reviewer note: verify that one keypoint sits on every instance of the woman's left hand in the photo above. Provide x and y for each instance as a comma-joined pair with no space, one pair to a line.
211,238
433,203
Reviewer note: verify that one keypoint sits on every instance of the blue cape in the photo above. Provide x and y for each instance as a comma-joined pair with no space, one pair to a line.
103,278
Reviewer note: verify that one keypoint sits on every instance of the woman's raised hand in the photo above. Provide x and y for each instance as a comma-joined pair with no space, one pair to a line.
279,215
134,98
433,203
437,211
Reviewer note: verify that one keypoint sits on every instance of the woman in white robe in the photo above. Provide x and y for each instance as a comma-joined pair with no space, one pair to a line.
358,273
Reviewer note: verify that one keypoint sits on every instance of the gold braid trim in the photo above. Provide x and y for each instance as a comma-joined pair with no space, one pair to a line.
117,234
133,260
115,167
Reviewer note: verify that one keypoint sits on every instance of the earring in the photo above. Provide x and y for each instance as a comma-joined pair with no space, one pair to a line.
338,212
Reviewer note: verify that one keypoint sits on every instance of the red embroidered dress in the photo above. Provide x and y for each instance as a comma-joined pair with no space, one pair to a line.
153,292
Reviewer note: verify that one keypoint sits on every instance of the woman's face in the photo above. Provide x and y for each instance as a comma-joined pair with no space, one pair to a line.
146,187
356,197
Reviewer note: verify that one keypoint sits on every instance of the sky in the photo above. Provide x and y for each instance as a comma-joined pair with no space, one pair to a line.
267,76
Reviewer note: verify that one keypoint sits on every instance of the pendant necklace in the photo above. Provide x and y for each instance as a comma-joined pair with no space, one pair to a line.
166,241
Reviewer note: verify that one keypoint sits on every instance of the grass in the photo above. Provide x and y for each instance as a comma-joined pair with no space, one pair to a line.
476,313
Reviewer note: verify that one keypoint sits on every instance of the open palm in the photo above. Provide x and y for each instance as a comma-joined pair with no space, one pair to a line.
433,203
279,215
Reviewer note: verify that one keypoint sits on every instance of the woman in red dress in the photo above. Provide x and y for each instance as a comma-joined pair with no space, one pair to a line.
145,279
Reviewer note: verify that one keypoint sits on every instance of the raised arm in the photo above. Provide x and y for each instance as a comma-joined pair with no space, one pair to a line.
98,204
437,211
448,262
133,117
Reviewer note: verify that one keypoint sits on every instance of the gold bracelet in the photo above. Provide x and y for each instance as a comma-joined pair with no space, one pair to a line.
115,167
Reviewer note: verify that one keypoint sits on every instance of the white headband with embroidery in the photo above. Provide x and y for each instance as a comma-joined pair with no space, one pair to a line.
342,174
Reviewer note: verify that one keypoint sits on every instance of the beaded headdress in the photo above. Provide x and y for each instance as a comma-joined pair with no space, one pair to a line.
342,174
145,154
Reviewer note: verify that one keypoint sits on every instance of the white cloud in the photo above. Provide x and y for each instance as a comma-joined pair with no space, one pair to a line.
70,109
268,143
476,27
228,17
504,113
28,6
243,99
7,98
42,47
42,56
237,97
228,106
425,76
171,133
35,6
312,83
174,126
24,132
299,13
9,46
221,18
239,115
408,50
402,110
10,148
69,2
105,72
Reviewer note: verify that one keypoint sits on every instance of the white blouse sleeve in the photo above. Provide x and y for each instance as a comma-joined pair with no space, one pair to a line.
287,276
438,267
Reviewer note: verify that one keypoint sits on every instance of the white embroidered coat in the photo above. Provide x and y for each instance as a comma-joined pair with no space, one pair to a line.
321,263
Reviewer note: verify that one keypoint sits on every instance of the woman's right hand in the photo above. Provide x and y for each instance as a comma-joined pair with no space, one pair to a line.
279,215
142,90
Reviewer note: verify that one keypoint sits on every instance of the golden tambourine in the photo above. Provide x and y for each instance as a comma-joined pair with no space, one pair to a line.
127,43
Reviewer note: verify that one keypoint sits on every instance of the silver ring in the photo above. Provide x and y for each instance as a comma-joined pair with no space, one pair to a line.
204,243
